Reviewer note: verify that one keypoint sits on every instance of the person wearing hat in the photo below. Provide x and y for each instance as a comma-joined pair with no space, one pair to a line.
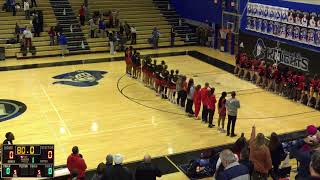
119,172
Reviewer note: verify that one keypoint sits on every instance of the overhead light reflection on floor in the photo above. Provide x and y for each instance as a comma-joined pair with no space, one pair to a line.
94,127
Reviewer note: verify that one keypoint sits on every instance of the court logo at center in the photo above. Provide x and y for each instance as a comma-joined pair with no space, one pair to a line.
10,109
80,78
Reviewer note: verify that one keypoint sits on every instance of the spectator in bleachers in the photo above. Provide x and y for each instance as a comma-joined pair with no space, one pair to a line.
51,35
315,166
232,168
133,35
146,170
27,36
36,24
13,7
99,172
155,38
92,28
172,36
119,172
259,156
63,43
75,162
127,30
34,3
82,14
102,27
26,8
17,32
121,28
239,145
277,153
111,42
244,159
108,168
9,138
116,18
110,20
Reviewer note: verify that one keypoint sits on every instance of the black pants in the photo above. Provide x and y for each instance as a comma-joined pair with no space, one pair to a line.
92,34
172,40
259,176
179,97
189,106
183,98
231,121
134,38
82,19
33,3
211,114
204,114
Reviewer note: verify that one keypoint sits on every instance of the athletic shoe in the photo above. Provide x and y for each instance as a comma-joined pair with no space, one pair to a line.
210,126
223,131
233,135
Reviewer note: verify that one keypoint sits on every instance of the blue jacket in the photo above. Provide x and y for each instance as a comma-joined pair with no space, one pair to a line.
234,171
62,40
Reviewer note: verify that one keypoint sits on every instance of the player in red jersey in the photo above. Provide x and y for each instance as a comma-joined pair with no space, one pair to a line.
260,73
211,106
302,87
243,59
247,68
204,101
269,76
254,68
197,101
127,58
276,78
237,67
318,97
313,90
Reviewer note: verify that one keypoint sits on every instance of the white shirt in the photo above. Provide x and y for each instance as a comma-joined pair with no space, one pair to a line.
27,34
133,30
26,6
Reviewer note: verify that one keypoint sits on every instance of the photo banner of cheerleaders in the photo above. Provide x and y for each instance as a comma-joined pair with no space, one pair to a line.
280,53
284,23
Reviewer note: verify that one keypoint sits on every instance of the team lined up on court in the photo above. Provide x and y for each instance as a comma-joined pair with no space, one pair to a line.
173,86
281,79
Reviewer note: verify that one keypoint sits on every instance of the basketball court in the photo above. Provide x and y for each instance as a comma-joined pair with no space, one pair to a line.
117,114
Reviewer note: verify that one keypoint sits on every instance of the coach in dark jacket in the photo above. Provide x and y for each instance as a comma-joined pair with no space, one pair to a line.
146,170
118,172
233,170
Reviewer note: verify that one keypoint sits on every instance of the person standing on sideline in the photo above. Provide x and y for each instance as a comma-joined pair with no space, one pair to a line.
133,35
82,14
190,92
26,8
9,138
222,111
92,28
184,86
172,36
211,106
63,43
204,98
155,38
75,163
232,106
146,170
197,101
34,3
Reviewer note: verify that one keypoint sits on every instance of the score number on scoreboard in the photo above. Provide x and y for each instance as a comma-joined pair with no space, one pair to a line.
32,160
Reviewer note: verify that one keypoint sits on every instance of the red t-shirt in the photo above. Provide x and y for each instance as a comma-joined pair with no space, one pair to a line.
82,12
75,162
314,83
197,97
204,95
212,102
301,81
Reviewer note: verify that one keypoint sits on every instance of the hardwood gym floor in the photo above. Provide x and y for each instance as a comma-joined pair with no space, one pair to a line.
120,115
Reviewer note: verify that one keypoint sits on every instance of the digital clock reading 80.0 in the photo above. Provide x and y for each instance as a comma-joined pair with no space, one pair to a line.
27,150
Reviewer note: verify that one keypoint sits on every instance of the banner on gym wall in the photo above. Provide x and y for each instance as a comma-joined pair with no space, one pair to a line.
280,53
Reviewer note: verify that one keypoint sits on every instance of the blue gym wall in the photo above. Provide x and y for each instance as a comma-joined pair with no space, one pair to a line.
199,10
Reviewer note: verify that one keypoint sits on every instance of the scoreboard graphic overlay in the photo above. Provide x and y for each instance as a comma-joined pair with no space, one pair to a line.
27,160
